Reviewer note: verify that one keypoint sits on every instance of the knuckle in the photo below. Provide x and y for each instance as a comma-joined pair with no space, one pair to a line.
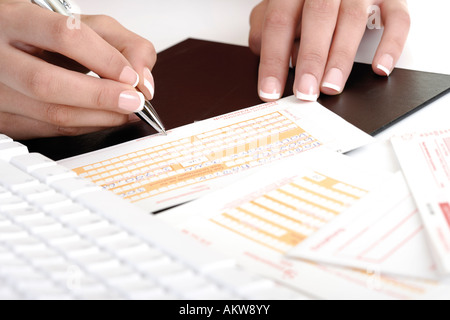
321,6
148,49
63,36
9,11
106,20
312,57
58,115
277,19
274,62
112,58
396,44
145,49
6,10
151,50
39,84
354,12
102,98
254,41
342,55
402,15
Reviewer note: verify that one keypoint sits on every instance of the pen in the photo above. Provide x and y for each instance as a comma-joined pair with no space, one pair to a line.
148,113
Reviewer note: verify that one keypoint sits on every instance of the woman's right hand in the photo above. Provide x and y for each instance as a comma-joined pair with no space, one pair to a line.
44,58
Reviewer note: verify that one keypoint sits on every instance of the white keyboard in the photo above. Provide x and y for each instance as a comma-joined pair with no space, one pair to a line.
62,237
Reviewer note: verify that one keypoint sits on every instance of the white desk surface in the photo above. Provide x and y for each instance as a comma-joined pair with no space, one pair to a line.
168,22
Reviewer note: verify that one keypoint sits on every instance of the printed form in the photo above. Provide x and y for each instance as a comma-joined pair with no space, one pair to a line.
425,162
263,217
158,172
383,233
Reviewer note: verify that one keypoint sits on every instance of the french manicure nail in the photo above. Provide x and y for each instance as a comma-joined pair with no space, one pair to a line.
334,80
270,89
131,101
129,76
386,64
149,82
307,88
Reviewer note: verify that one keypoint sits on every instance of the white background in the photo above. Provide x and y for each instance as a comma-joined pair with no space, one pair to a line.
167,22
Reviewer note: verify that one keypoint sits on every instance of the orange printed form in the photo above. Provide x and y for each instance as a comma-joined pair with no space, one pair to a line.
262,218
425,161
158,172
382,233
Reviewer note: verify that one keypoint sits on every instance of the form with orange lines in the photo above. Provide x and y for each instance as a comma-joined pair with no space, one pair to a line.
384,232
157,172
262,218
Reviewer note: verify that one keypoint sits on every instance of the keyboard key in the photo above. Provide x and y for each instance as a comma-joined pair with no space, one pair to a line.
75,186
65,213
12,203
99,262
51,174
5,138
108,234
44,224
57,236
74,246
51,202
9,150
138,253
13,178
31,161
35,192
4,193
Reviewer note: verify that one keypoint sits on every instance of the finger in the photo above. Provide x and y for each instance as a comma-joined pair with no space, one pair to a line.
48,83
397,21
54,32
58,115
138,51
318,24
349,31
23,128
277,38
256,25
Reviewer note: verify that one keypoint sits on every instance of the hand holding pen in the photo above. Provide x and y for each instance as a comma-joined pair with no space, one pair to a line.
44,88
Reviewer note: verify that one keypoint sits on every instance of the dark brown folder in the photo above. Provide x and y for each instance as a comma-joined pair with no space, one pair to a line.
198,79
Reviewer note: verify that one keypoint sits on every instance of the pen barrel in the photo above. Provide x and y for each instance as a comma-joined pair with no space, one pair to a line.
62,7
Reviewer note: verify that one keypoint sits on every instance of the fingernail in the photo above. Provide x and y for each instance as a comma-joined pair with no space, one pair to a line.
386,64
270,89
334,80
307,89
131,101
129,76
149,82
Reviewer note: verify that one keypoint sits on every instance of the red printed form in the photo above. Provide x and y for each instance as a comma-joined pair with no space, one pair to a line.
158,171
425,162
260,219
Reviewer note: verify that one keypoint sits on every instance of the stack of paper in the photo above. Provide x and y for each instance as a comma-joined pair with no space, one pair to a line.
158,172
425,161
271,187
